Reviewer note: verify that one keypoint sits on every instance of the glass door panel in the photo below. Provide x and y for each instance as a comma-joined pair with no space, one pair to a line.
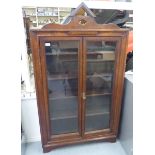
62,77
100,58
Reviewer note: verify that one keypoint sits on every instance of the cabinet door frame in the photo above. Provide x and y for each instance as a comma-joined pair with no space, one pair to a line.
116,84
44,91
42,100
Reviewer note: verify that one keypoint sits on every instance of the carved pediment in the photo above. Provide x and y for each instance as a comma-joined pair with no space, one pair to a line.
81,22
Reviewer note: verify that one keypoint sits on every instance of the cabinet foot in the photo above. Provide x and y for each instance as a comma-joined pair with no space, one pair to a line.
113,140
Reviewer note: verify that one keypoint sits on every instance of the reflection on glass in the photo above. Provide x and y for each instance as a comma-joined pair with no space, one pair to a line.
62,74
100,68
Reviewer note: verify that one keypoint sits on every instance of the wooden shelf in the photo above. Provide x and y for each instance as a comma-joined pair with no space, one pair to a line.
65,76
61,77
99,60
100,52
107,79
63,116
97,113
62,96
101,75
97,94
89,113
63,53
74,116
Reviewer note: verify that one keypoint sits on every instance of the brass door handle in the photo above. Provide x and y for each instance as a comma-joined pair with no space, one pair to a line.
84,96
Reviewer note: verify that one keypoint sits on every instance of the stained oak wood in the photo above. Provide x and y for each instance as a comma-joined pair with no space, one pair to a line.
81,29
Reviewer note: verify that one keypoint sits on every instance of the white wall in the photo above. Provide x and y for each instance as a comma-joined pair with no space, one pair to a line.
30,120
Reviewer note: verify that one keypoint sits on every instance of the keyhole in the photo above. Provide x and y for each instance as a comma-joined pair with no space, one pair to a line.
82,22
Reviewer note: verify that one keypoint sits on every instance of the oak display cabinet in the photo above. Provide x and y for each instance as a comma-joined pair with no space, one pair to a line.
79,73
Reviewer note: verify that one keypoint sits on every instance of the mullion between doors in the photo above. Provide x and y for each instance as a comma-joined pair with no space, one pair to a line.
80,67
83,84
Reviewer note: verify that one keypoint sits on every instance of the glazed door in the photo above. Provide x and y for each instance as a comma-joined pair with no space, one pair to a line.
99,66
61,67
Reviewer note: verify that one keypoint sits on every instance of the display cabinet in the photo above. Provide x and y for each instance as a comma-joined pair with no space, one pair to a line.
79,73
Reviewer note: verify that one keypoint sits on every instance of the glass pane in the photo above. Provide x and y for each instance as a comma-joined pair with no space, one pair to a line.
62,73
99,77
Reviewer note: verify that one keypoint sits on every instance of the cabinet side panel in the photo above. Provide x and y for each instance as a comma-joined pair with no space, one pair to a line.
38,85
118,82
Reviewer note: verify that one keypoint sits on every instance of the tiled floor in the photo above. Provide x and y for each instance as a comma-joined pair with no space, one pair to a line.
99,148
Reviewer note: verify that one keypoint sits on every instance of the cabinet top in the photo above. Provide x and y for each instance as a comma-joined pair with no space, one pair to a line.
80,23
